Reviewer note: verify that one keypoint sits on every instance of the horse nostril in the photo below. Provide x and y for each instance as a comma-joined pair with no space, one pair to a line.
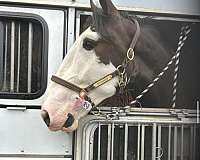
69,121
45,117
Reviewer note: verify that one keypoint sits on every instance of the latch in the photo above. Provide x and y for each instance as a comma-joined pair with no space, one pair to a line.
180,114
16,108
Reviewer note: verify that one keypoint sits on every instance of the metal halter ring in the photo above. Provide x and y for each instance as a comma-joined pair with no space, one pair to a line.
130,54
82,94
121,69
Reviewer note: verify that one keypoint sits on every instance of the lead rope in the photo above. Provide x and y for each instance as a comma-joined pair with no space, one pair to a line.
185,30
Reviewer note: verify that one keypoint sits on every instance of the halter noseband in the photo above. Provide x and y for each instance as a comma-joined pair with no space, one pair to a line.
83,92
120,71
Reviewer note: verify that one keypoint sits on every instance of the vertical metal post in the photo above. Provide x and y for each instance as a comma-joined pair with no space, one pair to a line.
91,147
65,33
99,141
154,141
78,24
5,58
182,141
112,143
191,142
175,143
2,32
194,146
71,23
159,143
109,142
169,142
19,56
142,142
30,47
197,112
125,141
138,142
12,63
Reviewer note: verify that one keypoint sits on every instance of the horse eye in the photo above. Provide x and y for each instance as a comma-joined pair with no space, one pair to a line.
89,44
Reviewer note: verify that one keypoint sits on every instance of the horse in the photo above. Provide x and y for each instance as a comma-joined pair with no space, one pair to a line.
114,53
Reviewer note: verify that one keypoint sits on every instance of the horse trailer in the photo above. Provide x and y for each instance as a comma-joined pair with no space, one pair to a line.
35,36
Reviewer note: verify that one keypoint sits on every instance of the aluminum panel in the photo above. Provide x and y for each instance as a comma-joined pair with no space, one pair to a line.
18,158
24,132
55,20
190,7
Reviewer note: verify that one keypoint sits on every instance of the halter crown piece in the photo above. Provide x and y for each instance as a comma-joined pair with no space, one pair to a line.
120,72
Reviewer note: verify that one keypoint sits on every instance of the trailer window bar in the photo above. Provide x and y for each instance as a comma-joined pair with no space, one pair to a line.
24,56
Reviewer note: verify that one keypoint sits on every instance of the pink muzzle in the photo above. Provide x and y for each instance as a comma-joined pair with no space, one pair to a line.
65,117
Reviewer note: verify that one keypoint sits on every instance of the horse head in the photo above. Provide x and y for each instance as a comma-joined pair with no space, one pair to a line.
90,72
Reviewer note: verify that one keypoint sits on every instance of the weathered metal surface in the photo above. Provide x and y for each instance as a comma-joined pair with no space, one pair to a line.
19,158
189,7
23,132
55,21
168,136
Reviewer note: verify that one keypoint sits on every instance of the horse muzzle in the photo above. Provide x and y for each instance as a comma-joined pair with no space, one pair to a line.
70,123
64,116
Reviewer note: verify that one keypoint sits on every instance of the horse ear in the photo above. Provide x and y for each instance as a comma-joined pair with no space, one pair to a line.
93,6
108,7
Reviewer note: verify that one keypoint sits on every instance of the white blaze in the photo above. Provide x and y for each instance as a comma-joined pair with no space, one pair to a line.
82,68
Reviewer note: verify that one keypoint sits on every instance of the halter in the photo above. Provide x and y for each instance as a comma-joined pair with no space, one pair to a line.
121,72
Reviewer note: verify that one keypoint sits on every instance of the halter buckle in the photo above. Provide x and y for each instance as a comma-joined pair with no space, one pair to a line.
83,94
130,54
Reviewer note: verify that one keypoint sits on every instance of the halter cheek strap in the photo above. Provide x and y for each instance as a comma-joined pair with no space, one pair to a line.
137,34
130,54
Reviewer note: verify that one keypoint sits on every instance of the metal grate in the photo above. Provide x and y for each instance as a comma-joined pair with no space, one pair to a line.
143,141
137,137
21,56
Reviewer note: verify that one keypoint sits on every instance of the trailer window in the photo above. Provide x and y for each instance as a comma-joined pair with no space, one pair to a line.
22,58
188,75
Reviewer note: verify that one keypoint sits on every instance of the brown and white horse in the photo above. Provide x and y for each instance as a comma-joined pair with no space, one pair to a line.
97,53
